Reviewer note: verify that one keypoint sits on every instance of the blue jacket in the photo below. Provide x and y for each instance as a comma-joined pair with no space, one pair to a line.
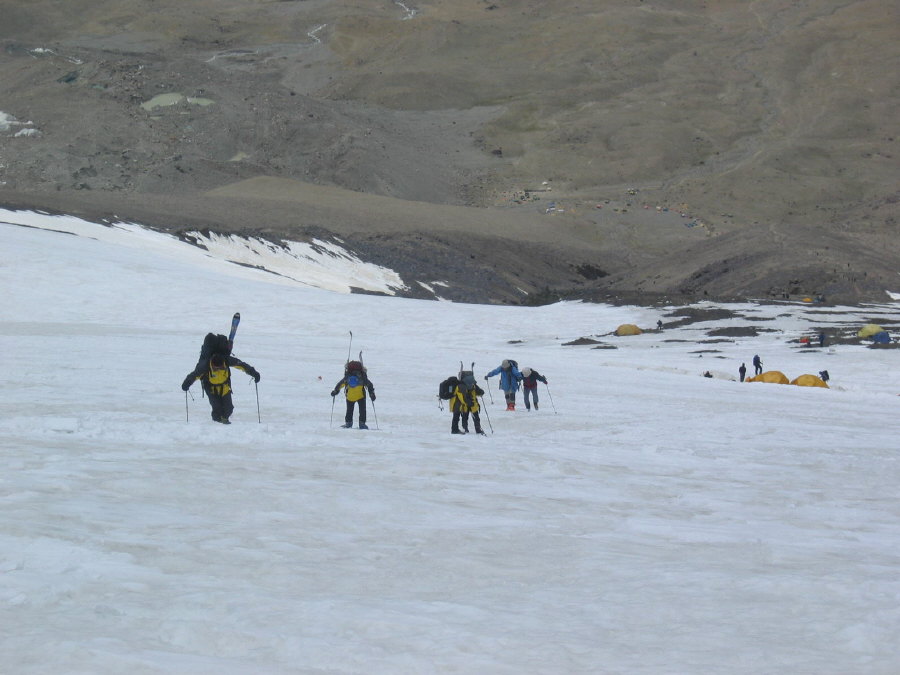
509,379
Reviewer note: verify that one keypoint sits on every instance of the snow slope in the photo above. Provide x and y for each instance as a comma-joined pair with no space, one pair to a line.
644,520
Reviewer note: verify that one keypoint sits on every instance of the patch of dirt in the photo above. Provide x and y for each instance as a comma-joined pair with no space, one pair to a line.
582,341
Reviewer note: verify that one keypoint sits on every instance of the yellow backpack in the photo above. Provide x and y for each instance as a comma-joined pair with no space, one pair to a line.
219,378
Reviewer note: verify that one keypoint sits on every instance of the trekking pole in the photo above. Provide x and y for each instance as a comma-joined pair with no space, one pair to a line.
187,415
375,413
551,398
488,385
486,416
349,347
331,422
258,415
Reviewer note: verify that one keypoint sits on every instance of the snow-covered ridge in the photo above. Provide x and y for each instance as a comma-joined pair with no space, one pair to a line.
319,264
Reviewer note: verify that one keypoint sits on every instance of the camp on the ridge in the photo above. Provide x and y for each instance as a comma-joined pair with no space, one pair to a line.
770,376
628,329
809,381
869,330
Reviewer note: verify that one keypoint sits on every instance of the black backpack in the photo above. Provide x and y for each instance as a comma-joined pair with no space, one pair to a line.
445,390
214,344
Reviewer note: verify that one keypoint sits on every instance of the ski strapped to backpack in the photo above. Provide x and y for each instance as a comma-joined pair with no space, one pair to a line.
219,344
464,377
235,320
467,377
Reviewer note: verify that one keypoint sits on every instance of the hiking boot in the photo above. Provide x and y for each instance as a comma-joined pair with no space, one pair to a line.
363,425
480,432
528,408
535,406
510,406
346,426
455,431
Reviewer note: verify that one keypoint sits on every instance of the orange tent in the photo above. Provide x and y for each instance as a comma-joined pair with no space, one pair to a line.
771,376
628,329
809,381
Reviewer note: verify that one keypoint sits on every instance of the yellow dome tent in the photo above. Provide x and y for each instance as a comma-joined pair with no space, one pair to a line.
869,330
809,381
771,376
628,329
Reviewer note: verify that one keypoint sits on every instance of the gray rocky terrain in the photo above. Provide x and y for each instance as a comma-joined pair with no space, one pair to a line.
519,150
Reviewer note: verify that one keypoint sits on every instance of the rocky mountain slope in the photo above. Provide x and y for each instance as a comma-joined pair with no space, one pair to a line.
517,150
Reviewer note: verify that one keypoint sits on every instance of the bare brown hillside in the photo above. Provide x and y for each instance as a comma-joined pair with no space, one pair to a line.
518,150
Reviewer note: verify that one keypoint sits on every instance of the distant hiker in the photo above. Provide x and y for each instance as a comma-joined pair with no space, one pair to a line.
530,379
509,380
824,375
355,382
464,401
757,364
821,339
214,372
743,371
659,324
707,374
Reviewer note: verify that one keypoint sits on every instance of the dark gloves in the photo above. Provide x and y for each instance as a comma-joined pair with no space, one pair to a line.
255,376
334,393
373,395
188,381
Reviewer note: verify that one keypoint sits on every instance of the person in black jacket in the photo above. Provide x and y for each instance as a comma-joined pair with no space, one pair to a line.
215,378
530,379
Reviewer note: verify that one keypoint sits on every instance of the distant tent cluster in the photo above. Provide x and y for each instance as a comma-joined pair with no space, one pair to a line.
777,377
878,334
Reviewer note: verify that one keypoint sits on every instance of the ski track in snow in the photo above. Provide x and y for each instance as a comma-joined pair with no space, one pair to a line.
645,520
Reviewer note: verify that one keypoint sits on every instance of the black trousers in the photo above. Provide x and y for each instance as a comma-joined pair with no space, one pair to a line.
222,407
348,418
464,417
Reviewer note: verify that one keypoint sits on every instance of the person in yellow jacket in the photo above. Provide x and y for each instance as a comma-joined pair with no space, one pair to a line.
355,383
464,402
215,378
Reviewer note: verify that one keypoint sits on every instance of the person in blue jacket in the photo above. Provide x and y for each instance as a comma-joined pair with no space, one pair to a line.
509,380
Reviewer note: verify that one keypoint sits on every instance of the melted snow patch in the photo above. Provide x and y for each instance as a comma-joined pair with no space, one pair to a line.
319,263
9,122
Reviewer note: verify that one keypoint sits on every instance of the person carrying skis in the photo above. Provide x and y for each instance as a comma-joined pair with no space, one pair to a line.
355,383
509,380
465,402
214,374
530,379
